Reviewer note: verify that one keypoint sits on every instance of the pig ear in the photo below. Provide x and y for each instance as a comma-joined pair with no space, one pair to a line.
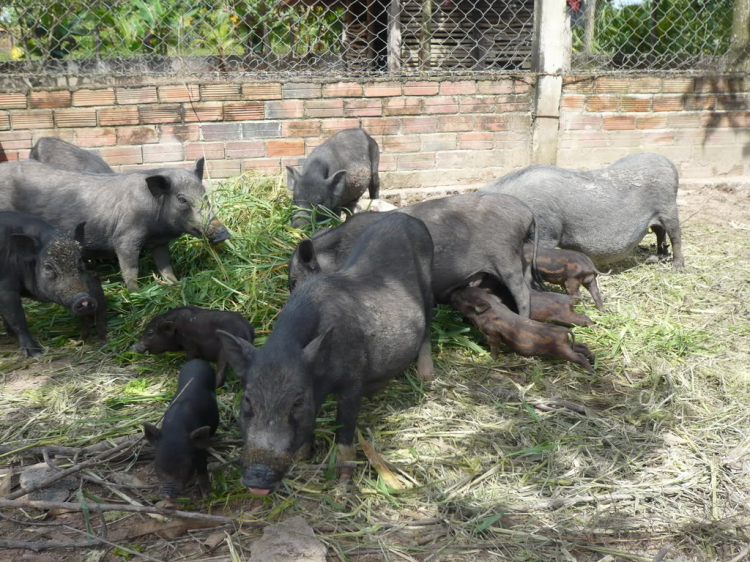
26,246
199,168
239,352
292,176
79,233
317,350
151,432
306,251
157,185
336,183
201,437
168,328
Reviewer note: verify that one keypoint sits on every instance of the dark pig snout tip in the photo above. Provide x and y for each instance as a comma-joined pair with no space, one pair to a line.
83,304
139,347
259,479
217,232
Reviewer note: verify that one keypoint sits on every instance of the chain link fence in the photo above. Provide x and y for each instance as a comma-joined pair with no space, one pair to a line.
307,38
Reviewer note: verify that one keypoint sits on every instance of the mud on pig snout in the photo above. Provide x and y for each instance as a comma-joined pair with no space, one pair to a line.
217,232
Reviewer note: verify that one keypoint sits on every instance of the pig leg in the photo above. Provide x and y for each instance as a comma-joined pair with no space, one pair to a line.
346,420
204,483
8,329
425,368
15,322
127,255
661,240
672,226
85,328
583,349
516,283
593,288
221,369
164,263
101,323
573,286
566,352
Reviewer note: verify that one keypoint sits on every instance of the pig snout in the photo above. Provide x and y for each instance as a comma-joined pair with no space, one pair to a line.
217,232
140,347
169,491
259,479
300,220
83,304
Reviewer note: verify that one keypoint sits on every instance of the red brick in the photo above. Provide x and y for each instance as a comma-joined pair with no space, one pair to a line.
713,84
382,89
388,163
298,90
49,100
75,118
363,108
263,165
87,138
495,87
715,120
160,113
244,111
342,90
184,92
220,92
688,137
136,95
180,133
651,122
440,104
490,123
402,143
455,123
578,85
522,86
402,106
119,155
612,85
570,101
103,96
625,139
15,140
224,168
589,139
732,102
420,161
13,101
261,91
332,126
64,134
381,126
421,88
475,141
438,141
306,128
294,161
245,149
289,109
635,104
201,112
458,88
9,155
137,135
658,138
619,122
472,104
313,143
207,150
163,152
287,147
35,119
602,103
4,121
668,103
324,108
574,121
645,85
677,85
419,124
695,102
118,116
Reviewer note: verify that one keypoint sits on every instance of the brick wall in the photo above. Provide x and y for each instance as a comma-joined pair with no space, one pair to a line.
702,124
431,133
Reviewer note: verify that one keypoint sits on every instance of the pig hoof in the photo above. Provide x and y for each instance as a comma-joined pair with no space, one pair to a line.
678,264
425,376
345,475
31,352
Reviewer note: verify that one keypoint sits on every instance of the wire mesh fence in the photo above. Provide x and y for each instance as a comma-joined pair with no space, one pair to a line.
345,37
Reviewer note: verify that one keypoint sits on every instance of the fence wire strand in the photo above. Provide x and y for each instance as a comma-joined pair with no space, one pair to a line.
333,38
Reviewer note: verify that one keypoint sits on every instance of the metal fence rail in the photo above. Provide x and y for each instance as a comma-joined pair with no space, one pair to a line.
342,37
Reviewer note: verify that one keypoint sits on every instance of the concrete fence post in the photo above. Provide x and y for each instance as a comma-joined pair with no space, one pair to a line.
550,59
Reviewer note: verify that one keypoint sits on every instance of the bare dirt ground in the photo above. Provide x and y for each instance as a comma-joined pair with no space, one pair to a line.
490,463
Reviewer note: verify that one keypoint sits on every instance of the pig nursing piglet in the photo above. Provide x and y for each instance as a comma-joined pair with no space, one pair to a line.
348,333
182,442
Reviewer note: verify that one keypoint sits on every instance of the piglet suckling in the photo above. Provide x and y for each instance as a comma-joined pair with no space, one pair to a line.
524,336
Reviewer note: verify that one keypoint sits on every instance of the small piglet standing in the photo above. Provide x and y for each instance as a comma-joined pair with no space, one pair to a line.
193,330
182,442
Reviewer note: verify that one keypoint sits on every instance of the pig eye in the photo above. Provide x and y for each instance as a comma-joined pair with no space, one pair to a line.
182,200
49,270
150,334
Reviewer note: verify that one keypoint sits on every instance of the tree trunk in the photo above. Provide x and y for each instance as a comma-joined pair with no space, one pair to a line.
590,22
740,46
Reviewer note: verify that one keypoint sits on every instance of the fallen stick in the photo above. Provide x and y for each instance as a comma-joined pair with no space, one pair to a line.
72,470
60,450
101,507
38,546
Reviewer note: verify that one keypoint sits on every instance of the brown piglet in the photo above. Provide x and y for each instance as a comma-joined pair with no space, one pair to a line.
568,268
525,337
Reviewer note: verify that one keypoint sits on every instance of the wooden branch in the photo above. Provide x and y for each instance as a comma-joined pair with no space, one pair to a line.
38,546
60,450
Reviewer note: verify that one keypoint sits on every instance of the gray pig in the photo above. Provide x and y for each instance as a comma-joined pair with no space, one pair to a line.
335,175
65,156
346,333
39,262
472,233
603,213
124,213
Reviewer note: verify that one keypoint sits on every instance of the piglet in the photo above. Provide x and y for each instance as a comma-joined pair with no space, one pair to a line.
525,337
193,330
568,268
99,315
182,442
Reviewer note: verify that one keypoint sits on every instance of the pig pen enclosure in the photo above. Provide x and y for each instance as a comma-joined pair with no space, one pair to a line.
514,459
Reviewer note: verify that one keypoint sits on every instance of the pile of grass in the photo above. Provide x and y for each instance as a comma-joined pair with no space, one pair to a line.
484,468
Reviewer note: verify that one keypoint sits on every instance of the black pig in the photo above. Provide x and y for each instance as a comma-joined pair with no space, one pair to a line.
123,212
193,330
336,174
472,233
39,262
345,333
65,156
191,419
